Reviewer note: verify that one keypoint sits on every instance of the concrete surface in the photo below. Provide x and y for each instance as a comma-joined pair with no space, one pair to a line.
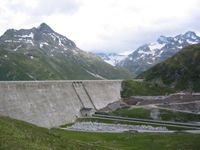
53,103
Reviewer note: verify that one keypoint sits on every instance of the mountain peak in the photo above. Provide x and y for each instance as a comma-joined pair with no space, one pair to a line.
57,56
45,28
190,34
162,39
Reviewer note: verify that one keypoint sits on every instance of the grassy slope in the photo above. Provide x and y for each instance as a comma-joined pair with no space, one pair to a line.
17,66
181,71
15,135
132,88
179,116
133,113
164,114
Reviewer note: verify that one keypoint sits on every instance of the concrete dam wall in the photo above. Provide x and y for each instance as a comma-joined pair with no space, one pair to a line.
53,103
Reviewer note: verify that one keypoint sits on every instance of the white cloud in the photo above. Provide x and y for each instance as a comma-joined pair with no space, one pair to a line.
115,25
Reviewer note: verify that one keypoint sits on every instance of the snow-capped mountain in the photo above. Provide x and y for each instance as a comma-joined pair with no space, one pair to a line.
112,58
150,54
42,54
42,37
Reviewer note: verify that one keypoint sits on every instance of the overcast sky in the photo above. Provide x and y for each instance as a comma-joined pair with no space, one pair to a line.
104,25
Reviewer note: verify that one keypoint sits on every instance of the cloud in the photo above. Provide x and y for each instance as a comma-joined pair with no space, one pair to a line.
42,8
104,25
28,13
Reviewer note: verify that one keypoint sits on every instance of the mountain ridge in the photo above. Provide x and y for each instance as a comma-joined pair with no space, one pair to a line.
151,54
41,53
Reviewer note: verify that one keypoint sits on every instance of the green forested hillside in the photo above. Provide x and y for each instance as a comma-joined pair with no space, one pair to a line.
136,88
182,71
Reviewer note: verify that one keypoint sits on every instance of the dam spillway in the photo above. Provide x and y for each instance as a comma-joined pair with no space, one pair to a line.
53,103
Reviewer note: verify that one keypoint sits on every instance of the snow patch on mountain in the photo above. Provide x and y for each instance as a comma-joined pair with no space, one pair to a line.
96,75
17,48
198,34
112,58
150,54
8,41
29,41
32,77
31,35
192,42
156,45
43,43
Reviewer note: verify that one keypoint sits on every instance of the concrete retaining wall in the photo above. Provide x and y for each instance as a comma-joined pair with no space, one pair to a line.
53,103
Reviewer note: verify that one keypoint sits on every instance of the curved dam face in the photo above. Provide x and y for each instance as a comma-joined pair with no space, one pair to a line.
53,103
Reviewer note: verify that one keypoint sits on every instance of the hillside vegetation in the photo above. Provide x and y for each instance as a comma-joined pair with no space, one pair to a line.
19,135
162,114
136,88
182,71
17,66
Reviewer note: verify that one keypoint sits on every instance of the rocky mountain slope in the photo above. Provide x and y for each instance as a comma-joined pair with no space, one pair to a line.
42,54
182,71
151,54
